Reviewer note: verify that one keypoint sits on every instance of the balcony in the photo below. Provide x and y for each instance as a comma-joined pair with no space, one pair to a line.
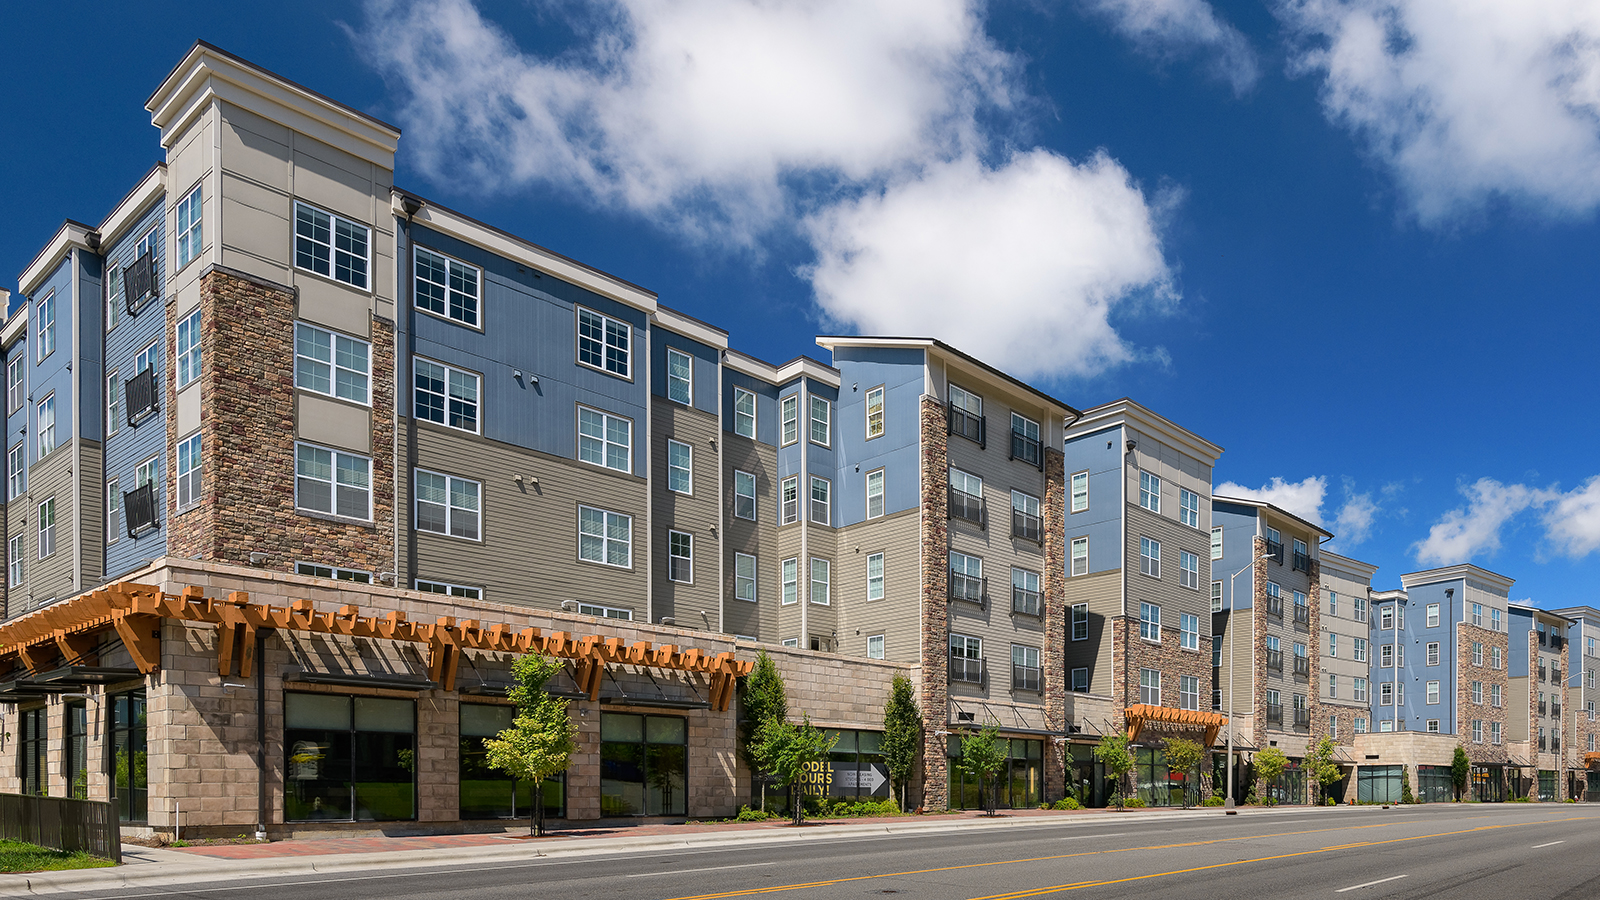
1543,674
1025,678
1544,639
1302,614
139,283
1275,606
1302,562
1542,708
1555,710
1275,550
1302,666
966,669
1275,660
1274,714
1029,450
1302,717
966,506
1557,642
1027,527
969,426
140,394
1024,601
965,587
139,509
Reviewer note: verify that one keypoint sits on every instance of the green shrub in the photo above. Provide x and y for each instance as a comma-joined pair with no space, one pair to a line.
746,814
1134,803
1213,800
1066,803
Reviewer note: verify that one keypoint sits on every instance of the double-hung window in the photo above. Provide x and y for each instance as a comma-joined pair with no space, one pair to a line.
744,577
455,590
16,393
821,500
789,408
447,288
1025,520
1080,491
332,482
791,576
1080,621
1477,653
680,556
605,440
1189,508
187,360
1333,645
190,215
680,377
47,325
1358,690
1189,569
332,246
332,364
875,646
14,559
1189,632
875,576
680,467
1477,692
1149,491
1188,692
116,404
189,470
744,495
821,420
1080,556
1433,615
875,420
966,577
1025,443
1025,668
16,471
1025,591
1496,658
966,496
744,412
1150,687
1494,620
446,395
47,528
821,581
1150,557
966,415
1433,653
449,505
1216,542
875,503
1477,614
47,425
603,343
1150,622
113,511
966,658
605,537
1433,692
789,500
1216,596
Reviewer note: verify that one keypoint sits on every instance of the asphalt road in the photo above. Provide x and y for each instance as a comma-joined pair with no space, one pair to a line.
1507,852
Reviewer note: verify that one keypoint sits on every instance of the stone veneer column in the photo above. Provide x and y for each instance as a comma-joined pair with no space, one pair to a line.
583,773
247,400
438,766
935,604
1487,752
1315,716
1258,644
1054,608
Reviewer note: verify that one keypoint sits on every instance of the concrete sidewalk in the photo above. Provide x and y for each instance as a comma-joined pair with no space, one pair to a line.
145,867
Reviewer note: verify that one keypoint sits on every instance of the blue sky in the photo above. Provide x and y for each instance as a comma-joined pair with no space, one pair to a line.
1351,241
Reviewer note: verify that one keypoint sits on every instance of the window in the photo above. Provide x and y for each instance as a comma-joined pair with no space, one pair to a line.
680,377
16,471
1216,542
605,537
1150,622
744,495
189,471
1477,653
1149,492
1589,646
820,581
1025,444
605,440
1589,708
966,415
1025,668
1494,620
47,425
364,762
966,496
1495,659
1358,649
1216,596
791,642
47,528
1302,561
15,391
1150,687
1477,731
1477,614
744,577
1386,618
317,571
1588,678
1189,632
1025,521
1189,508
190,215
821,420
789,492
1358,690
791,568
1025,592
1433,615
449,590
446,395
790,406
188,349
966,658
1333,645
1433,653
447,287
1386,694
821,507
33,742
680,556
1433,726
680,476
1080,556
1188,692
1333,686
1302,609
1150,557
331,364
603,343
1080,491
1080,680
966,577
1333,603
1477,692
875,494
1189,569
113,511
115,403
1494,732
448,505
47,325
744,413
337,248
145,472
875,423
875,576
1433,692
332,482
1359,605
875,646
1386,656
1216,651
1361,725
14,558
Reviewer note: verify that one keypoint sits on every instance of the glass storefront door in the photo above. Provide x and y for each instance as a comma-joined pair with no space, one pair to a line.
130,756
1019,783
349,758
488,793
644,765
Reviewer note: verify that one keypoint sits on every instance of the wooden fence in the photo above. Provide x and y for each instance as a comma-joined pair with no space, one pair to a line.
62,824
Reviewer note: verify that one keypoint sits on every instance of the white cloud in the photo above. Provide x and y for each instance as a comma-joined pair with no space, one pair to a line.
1022,265
1167,28
1353,525
1465,101
1572,523
1465,532
1302,498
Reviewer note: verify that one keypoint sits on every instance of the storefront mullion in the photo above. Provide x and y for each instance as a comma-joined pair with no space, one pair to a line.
488,793
349,758
130,757
32,747
1017,785
644,765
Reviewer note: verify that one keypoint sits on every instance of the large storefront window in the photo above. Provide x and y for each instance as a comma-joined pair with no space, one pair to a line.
1547,785
1488,784
1089,786
644,765
1434,784
1019,782
856,770
130,759
1158,785
488,793
1290,787
77,761
31,751
350,758
1378,784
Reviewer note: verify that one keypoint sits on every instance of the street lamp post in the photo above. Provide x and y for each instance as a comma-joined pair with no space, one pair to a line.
1228,805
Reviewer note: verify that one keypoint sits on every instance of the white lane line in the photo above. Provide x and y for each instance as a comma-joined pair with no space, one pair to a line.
1354,887
1551,844
708,869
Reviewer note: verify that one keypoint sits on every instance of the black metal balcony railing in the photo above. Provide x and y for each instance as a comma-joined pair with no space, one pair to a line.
1302,666
969,426
965,506
1302,718
1543,710
1544,639
1274,714
1024,601
1029,450
966,669
1025,526
1555,710
1275,606
139,509
1542,747
1275,660
140,394
1302,562
1557,642
1275,550
1302,614
965,587
1025,678
139,282
1543,674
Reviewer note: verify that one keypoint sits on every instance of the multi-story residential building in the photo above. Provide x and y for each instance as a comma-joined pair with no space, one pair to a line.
1268,626
1582,742
1141,539
1344,652
1537,716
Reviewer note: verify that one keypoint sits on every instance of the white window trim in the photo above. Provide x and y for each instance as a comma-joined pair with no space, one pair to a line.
183,358
1072,487
605,537
882,645
605,439
882,494
688,470
42,530
335,572
445,316
38,410
334,368
181,235
333,483
333,252
449,508
477,379
741,392
883,412
883,564
1073,557
1074,618
46,347
827,420
115,514
783,514
198,467
787,404
448,587
671,352
789,577
577,355
811,500
755,577
811,582
116,404
688,560
755,506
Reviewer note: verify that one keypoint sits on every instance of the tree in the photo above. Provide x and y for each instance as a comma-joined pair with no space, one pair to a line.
539,742
984,754
1182,756
1112,752
902,736
764,699
785,751
1460,769
1270,764
1322,767
1406,797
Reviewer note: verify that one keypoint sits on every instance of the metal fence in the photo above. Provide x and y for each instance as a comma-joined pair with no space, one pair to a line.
62,824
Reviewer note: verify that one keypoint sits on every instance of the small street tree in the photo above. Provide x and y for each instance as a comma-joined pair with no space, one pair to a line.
1320,764
1270,764
786,750
902,736
539,742
1182,756
984,754
763,699
1460,770
1112,752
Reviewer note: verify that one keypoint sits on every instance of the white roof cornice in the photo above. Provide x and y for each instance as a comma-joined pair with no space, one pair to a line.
70,234
149,189
1451,573
1125,410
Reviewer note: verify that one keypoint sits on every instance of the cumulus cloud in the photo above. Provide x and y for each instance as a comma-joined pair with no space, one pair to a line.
1175,28
1474,529
1464,102
1572,522
1022,265
1353,525
1302,498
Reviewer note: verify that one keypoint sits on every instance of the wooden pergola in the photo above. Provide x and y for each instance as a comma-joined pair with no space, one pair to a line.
69,633
1140,715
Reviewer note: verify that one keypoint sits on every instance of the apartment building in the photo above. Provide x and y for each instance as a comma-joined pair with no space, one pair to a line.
1344,648
1582,756
1537,715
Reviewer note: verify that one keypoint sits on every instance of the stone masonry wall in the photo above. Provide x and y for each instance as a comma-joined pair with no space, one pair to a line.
935,697
1132,653
1055,621
1485,752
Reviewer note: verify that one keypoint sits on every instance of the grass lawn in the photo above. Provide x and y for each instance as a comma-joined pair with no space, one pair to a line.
15,856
